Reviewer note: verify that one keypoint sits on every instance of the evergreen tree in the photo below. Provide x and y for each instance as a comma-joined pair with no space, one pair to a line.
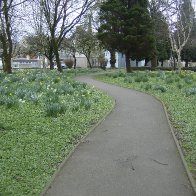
126,25
189,52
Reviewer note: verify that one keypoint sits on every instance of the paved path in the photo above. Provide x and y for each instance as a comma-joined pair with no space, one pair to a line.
131,153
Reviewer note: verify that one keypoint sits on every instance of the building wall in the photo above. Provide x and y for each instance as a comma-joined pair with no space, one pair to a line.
81,62
24,63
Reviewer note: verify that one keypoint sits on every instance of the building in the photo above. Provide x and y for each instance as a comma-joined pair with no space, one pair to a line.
24,63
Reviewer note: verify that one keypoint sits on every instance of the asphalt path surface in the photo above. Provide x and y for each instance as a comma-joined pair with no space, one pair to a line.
131,153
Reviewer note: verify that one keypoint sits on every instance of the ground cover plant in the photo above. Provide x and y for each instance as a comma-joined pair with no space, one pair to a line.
178,92
43,114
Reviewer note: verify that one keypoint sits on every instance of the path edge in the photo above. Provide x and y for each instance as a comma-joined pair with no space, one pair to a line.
91,129
190,177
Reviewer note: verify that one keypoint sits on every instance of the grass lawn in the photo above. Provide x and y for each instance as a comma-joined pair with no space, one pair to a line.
43,115
178,92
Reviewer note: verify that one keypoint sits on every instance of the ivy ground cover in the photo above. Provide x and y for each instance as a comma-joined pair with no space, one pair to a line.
178,92
43,115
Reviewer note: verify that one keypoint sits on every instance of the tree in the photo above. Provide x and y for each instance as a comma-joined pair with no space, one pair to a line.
69,46
40,39
6,34
86,43
108,32
38,45
189,51
162,42
179,15
162,47
127,27
61,17
8,16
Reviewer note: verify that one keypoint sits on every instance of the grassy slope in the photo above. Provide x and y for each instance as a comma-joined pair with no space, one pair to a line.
33,144
180,104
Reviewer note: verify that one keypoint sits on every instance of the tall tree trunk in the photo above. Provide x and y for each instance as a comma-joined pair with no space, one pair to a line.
8,64
186,63
7,54
161,63
128,63
56,54
174,61
6,41
179,61
137,63
51,64
49,55
154,61
146,62
89,61
113,58
74,57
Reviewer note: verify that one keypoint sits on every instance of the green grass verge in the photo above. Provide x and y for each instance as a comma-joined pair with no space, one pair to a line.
43,116
178,92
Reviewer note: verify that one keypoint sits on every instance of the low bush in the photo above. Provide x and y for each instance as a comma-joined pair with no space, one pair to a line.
169,80
191,91
160,88
69,63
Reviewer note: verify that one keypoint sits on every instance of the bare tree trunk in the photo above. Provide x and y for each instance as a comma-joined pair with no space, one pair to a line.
89,61
74,57
7,61
5,37
128,63
186,63
179,61
56,54
51,64
113,58
154,61
146,62
137,63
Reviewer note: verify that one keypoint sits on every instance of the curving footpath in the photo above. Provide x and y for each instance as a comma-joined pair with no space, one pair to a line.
131,153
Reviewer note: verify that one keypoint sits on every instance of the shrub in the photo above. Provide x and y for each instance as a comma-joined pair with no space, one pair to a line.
31,77
121,74
177,79
53,109
51,97
20,92
9,101
161,88
128,80
56,80
152,74
14,78
180,85
69,63
115,75
188,80
161,74
191,91
32,96
141,78
169,80
148,87
75,107
87,104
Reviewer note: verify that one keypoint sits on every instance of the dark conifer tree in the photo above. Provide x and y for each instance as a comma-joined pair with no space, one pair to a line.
126,25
